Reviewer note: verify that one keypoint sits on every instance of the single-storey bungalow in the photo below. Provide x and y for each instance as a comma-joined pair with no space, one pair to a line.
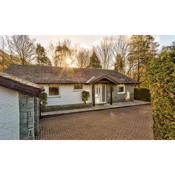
19,108
64,86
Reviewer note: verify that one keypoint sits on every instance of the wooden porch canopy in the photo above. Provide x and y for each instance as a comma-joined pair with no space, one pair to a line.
105,79
100,79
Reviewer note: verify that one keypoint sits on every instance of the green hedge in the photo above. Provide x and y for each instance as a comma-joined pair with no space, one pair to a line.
142,94
162,88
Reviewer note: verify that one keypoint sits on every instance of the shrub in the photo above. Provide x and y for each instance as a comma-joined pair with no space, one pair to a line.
162,89
142,94
43,99
85,96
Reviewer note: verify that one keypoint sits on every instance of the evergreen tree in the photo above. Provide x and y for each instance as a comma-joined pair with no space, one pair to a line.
62,52
119,65
142,49
41,57
94,61
5,58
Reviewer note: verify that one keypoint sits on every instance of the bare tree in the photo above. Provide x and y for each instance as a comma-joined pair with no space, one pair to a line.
121,45
22,47
105,51
82,58
51,52
121,53
109,49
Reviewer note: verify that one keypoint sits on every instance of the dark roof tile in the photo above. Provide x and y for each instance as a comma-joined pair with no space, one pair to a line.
52,75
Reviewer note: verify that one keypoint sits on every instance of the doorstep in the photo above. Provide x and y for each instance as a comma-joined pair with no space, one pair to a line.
95,108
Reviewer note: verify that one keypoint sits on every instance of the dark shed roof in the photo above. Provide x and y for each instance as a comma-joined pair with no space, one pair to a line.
54,75
18,84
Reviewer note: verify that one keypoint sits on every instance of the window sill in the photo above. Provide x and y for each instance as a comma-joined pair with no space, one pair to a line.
54,96
121,93
77,90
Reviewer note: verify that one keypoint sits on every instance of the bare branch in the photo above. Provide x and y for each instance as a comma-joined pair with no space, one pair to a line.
22,47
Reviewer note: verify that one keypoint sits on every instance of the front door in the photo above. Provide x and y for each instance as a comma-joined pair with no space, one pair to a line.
100,93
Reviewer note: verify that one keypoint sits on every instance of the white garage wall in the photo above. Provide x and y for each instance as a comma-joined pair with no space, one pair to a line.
9,114
67,95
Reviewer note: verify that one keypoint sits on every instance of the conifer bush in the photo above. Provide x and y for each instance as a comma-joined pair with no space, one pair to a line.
43,99
162,89
85,96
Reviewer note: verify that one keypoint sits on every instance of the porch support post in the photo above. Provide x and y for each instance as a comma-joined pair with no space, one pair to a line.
93,94
111,94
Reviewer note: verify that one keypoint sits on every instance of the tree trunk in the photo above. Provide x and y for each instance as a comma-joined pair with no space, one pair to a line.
138,73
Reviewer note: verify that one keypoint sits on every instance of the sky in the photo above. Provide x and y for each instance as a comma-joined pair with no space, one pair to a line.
83,40
89,40
165,40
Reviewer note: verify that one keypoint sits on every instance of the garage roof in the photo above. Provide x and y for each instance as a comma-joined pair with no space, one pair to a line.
18,84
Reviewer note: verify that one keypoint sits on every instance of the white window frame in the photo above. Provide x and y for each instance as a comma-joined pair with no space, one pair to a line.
121,85
77,90
54,86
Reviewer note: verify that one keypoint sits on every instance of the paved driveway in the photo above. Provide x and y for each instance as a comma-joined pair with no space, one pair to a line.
121,123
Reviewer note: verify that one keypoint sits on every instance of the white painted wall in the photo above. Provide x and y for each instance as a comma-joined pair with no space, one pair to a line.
67,95
9,114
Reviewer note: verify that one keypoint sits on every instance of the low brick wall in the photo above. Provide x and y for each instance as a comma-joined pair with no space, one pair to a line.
64,107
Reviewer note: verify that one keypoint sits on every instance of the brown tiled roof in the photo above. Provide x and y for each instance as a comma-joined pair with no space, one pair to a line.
18,84
54,75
